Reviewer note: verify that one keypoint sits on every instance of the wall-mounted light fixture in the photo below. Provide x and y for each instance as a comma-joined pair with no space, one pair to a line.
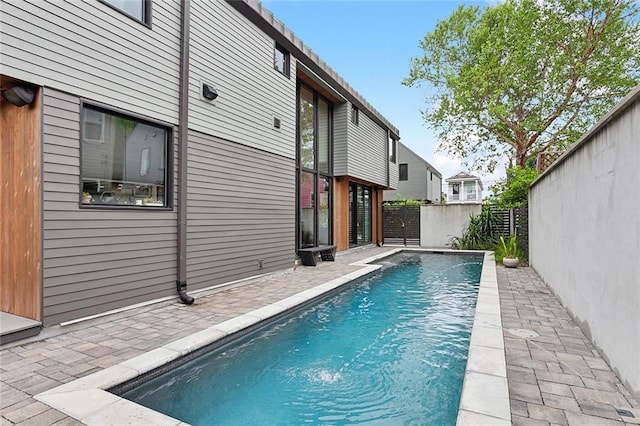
19,95
208,92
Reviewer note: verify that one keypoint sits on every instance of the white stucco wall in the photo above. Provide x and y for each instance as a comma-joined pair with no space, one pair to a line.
584,233
440,222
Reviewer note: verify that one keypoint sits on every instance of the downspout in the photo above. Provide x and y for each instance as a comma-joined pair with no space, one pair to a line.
183,124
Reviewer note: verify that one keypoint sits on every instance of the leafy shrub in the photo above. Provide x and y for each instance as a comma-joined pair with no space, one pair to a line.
480,234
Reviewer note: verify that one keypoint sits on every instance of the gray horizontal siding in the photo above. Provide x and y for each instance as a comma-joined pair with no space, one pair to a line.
241,208
340,138
236,57
416,187
367,150
394,174
94,260
94,51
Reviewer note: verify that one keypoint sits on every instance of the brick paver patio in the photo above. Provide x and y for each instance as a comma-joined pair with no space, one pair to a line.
555,375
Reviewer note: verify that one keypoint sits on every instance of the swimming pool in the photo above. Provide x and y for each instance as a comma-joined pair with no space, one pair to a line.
485,393
390,348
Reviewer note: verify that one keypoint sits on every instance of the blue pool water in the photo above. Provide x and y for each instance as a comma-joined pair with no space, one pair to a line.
390,349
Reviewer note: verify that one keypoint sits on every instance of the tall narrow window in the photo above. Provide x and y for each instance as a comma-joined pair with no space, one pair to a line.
129,166
392,150
324,136
355,115
307,129
360,223
314,169
403,171
281,59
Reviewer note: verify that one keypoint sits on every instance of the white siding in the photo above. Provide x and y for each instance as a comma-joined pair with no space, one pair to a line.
96,52
94,260
236,57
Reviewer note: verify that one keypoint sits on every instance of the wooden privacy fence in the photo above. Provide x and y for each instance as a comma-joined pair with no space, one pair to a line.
514,221
401,224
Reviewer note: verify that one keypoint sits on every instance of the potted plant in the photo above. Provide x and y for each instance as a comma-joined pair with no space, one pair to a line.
510,249
86,198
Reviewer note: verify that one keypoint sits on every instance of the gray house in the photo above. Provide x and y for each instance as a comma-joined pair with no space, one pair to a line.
159,147
417,179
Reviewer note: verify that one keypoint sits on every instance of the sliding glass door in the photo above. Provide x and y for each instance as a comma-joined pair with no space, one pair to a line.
359,214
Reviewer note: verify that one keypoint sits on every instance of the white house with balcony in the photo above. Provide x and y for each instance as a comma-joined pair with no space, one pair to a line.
464,188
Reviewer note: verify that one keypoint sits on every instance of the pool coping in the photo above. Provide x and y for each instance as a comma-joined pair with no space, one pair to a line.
484,394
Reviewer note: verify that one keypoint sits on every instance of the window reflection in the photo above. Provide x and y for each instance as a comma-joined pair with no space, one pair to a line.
126,164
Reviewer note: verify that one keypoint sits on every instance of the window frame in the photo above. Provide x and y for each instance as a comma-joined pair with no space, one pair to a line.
393,144
315,171
403,176
167,157
146,12
355,115
286,59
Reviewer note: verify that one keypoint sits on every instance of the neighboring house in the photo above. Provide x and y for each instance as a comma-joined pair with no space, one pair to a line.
211,144
417,179
464,188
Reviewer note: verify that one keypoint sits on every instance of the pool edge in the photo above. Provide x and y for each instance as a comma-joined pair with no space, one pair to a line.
485,390
87,400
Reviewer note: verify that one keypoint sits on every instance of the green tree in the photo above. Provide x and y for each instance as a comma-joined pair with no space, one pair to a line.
515,79
513,190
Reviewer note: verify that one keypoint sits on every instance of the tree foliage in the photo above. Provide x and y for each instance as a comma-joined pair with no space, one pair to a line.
520,77
513,190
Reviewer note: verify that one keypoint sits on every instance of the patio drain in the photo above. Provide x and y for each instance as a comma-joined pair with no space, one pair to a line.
625,413
522,333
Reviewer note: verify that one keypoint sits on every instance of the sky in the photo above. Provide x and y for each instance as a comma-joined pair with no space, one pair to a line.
370,43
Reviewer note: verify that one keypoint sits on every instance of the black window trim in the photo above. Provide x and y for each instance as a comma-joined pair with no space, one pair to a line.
355,115
287,65
169,157
406,172
146,21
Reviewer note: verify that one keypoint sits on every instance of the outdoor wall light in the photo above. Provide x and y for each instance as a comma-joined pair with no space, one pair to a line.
208,92
19,95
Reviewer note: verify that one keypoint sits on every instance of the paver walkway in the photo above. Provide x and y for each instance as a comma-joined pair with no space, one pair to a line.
555,374
555,378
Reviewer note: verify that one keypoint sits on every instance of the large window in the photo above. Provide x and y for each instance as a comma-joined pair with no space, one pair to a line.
139,10
124,161
403,171
314,169
281,59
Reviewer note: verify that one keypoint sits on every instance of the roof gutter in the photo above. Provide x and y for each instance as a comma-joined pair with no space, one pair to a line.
183,131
